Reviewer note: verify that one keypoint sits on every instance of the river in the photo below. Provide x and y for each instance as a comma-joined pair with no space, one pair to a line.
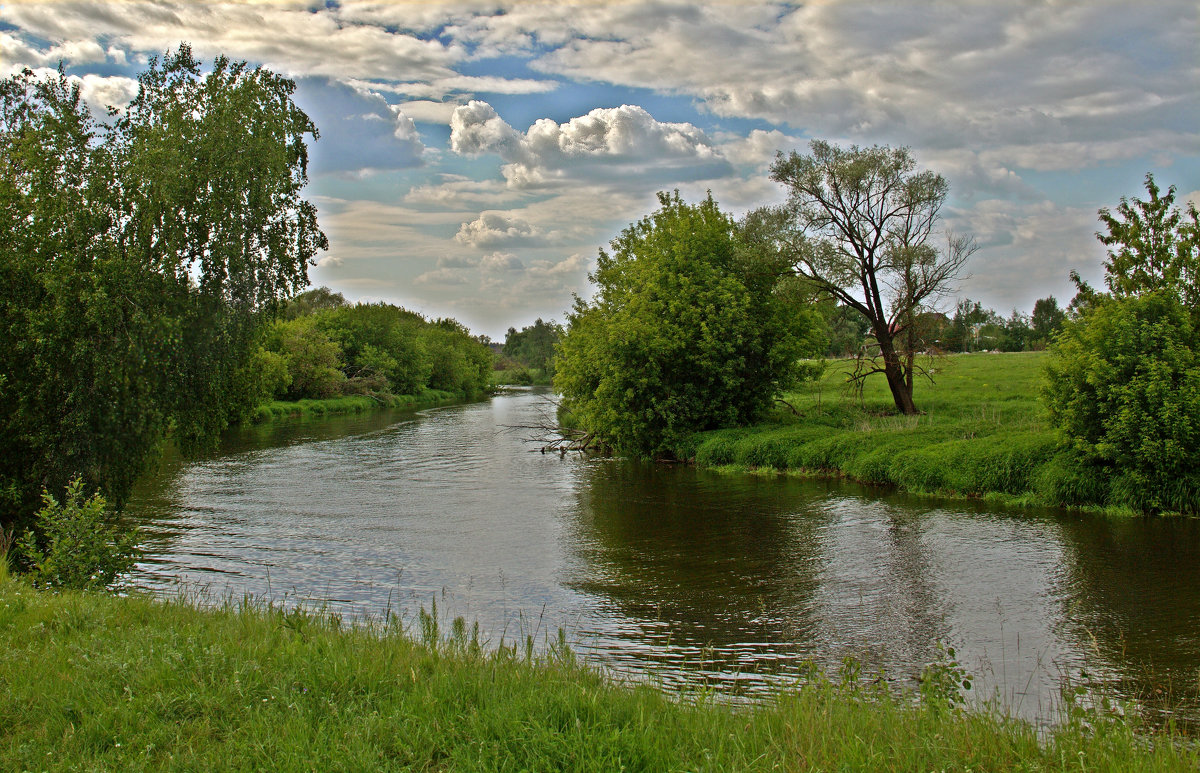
688,578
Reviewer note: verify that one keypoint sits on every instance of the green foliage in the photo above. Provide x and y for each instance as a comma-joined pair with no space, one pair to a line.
377,349
1046,321
311,301
1124,384
678,338
382,339
1124,388
1153,246
312,359
75,544
859,226
138,259
533,346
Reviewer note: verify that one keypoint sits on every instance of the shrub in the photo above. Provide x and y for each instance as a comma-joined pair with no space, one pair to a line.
1124,388
74,544
679,337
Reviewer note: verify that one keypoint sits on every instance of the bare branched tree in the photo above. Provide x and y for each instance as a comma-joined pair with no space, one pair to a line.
859,224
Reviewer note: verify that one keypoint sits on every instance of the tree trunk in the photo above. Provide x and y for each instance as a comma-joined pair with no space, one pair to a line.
894,371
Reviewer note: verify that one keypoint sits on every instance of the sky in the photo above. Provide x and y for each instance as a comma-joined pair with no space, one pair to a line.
474,156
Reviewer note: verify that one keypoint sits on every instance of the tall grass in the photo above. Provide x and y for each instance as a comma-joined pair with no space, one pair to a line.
981,433
93,682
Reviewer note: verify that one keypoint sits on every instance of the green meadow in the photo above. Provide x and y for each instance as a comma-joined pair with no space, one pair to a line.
981,433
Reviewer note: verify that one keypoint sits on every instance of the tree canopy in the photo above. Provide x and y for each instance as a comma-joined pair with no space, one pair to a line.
138,258
533,345
860,225
679,337
1123,385
1152,245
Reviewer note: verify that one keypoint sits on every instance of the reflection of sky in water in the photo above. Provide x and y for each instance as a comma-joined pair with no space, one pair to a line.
682,575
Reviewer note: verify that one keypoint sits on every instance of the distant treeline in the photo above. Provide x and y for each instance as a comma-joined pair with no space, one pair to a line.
527,356
324,347
969,328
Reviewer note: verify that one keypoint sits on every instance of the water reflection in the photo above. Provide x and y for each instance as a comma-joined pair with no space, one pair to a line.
687,575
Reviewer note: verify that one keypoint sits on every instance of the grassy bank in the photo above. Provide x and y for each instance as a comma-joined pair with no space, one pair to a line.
982,433
349,404
93,682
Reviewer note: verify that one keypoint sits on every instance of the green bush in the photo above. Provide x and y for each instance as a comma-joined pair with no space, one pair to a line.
74,544
680,337
1124,388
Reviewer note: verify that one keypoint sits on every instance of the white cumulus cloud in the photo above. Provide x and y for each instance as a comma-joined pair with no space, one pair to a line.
606,143
492,229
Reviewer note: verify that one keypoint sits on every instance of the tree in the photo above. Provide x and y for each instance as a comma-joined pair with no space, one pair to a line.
1017,333
1152,246
533,346
969,317
858,224
679,336
137,261
312,301
1123,384
1047,320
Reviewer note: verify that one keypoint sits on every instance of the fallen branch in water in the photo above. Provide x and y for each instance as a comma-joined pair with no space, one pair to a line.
554,437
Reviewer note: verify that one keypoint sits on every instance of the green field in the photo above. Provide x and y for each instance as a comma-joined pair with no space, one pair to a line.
99,683
982,433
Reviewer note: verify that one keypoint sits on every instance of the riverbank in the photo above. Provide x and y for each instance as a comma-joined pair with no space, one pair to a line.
982,434
104,683
350,404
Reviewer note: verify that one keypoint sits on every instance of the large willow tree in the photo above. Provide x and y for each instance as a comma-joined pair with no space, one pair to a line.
137,255
860,225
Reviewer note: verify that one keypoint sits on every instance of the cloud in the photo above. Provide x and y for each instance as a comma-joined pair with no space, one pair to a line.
289,38
359,130
608,143
101,92
426,111
492,229
1027,249
476,128
501,262
456,192
997,76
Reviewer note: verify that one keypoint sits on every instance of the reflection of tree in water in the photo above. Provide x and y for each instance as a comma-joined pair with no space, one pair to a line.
1134,586
880,598
721,560
765,572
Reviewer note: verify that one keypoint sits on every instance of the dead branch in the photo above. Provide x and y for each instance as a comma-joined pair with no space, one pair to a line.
552,436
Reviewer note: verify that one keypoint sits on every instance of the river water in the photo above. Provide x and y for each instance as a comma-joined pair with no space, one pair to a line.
685,577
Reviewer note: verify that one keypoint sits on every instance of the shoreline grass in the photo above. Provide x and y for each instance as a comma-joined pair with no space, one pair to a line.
982,434
309,408
94,682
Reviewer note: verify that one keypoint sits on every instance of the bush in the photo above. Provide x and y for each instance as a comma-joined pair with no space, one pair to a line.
1124,388
679,337
74,545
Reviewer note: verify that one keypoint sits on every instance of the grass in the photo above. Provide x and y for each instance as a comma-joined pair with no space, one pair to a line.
349,404
981,433
93,682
